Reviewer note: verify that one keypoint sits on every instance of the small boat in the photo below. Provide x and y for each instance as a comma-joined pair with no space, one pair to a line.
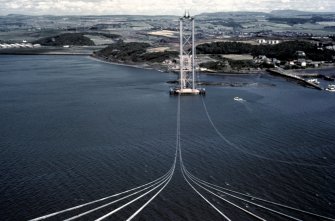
238,99
331,88
314,81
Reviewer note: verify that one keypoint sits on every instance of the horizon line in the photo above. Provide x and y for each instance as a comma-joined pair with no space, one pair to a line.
156,15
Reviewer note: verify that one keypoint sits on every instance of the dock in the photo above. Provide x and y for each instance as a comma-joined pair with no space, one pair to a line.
321,76
282,73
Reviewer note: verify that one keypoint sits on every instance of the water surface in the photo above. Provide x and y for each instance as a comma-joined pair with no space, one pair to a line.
74,130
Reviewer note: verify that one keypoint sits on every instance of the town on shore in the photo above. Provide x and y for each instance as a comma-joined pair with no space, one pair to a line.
227,42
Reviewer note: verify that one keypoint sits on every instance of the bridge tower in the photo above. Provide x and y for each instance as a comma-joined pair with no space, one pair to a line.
187,83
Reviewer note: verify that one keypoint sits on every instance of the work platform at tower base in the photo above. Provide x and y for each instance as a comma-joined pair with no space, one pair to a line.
187,91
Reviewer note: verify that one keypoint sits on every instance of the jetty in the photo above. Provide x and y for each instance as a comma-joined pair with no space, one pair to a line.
300,80
321,76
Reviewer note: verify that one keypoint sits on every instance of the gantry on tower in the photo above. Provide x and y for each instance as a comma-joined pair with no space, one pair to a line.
187,83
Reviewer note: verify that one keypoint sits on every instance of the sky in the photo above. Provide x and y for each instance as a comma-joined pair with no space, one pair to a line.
156,7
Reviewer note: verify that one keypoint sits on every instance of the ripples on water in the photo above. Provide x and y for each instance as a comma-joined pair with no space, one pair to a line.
74,130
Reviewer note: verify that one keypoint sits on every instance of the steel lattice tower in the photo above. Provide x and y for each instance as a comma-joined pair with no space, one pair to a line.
187,52
187,59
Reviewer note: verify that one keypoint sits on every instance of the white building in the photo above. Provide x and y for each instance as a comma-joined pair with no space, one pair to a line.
332,47
268,42
300,53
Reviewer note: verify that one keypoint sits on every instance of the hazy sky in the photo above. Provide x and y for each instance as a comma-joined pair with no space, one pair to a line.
156,7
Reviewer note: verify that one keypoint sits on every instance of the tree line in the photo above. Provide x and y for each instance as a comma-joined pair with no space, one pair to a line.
66,39
134,52
283,51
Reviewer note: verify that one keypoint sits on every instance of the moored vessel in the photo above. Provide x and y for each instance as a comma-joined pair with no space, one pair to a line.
331,88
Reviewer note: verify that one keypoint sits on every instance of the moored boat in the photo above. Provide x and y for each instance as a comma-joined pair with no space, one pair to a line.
314,81
331,88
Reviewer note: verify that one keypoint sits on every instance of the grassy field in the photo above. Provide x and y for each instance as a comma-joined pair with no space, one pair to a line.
238,57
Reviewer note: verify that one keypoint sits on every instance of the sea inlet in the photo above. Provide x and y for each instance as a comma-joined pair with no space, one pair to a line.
74,130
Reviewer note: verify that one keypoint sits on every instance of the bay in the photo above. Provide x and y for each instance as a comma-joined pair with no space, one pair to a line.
73,130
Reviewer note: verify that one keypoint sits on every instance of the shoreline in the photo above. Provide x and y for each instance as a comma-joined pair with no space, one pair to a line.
233,73
159,68
243,73
120,64
152,67
88,52
311,69
43,50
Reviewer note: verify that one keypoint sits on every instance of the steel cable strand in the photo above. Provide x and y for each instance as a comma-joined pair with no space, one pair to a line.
108,197
152,198
181,165
254,154
227,201
99,200
160,190
203,197
122,198
174,164
134,200
262,157
213,186
241,199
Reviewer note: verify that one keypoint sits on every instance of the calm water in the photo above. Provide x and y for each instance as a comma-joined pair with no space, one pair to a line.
73,130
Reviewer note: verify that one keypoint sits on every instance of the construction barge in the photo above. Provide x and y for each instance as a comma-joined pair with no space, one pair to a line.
187,91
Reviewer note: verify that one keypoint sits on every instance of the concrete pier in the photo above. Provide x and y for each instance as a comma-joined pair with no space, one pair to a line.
281,73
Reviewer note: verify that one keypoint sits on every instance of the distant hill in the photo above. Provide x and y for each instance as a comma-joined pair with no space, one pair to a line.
77,39
290,13
232,14
293,17
274,13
